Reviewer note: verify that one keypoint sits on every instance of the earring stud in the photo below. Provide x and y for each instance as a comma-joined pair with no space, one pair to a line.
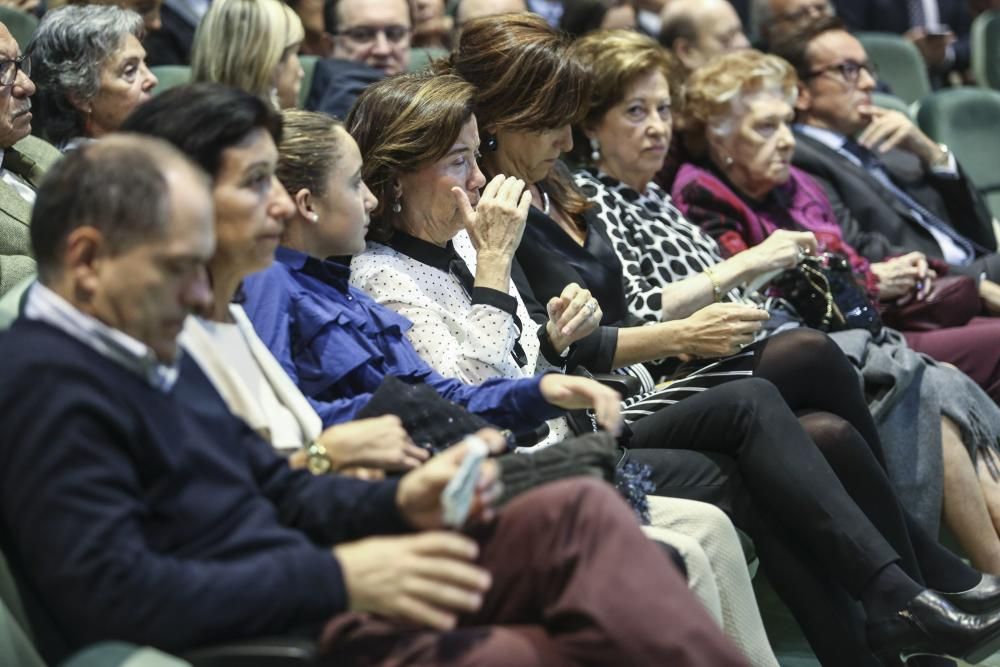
314,217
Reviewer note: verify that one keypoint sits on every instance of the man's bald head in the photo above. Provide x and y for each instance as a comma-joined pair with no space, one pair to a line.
698,30
774,20
120,186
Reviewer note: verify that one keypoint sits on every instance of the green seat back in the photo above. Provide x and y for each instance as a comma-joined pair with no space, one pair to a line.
887,101
21,25
421,57
16,646
308,70
966,120
170,76
985,40
899,64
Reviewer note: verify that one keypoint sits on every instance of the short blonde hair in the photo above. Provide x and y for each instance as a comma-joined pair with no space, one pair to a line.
714,93
240,43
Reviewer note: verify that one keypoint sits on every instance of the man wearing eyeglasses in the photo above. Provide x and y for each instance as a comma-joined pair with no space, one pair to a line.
374,32
24,160
893,189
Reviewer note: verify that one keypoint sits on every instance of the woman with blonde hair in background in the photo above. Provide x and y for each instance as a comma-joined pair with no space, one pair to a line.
252,45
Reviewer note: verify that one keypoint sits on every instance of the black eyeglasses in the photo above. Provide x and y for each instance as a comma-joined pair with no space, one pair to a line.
365,34
850,71
9,69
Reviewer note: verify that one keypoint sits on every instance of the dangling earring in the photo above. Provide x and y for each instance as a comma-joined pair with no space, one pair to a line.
595,151
272,96
491,142
396,206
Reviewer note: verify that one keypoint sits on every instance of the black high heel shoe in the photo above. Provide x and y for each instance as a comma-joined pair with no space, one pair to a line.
929,625
983,597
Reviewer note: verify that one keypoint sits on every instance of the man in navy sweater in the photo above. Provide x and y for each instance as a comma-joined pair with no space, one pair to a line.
134,506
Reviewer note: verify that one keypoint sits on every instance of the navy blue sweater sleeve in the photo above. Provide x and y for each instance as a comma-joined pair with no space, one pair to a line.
74,506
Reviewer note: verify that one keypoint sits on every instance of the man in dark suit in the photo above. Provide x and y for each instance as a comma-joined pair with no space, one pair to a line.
938,28
892,188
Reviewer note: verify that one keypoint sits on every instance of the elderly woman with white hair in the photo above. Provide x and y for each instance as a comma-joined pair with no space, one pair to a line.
90,70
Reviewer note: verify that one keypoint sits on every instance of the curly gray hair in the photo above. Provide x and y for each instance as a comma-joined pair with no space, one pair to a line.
68,50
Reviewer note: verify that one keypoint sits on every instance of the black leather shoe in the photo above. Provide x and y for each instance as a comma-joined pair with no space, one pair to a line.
929,625
984,596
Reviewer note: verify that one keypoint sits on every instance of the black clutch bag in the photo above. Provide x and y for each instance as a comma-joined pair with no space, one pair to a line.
827,295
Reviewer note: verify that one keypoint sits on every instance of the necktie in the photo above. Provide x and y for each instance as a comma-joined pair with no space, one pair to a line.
915,10
922,215
458,268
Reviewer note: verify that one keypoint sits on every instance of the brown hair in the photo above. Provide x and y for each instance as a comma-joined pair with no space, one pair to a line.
616,59
401,124
793,45
310,148
712,90
526,80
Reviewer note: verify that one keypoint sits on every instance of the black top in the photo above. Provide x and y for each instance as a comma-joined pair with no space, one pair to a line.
551,259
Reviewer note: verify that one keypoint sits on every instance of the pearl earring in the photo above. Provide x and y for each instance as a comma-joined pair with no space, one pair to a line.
396,206
595,151
314,217
729,160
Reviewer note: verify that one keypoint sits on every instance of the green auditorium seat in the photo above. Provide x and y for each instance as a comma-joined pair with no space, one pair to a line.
887,101
21,25
170,76
985,41
966,119
899,64
17,643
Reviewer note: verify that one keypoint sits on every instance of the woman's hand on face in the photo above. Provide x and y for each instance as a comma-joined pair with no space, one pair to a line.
380,442
722,329
573,315
905,278
781,250
496,224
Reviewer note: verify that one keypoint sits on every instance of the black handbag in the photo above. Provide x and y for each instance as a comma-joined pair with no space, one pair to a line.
827,295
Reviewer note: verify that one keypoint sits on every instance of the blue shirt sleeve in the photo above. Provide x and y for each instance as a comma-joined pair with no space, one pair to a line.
338,345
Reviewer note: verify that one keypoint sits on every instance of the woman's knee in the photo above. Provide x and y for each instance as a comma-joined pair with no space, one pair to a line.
836,437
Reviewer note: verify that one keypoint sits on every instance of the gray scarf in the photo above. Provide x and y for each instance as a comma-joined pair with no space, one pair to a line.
907,392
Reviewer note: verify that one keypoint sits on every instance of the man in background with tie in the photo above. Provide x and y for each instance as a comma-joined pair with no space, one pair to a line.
24,160
893,189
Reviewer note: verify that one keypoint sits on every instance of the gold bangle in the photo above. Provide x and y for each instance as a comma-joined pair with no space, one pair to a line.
716,288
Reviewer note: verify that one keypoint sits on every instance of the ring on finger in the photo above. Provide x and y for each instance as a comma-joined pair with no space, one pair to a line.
591,307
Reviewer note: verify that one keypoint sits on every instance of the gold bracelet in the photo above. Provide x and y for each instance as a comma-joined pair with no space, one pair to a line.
716,288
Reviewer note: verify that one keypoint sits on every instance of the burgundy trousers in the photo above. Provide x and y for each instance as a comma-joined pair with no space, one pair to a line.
575,582
974,348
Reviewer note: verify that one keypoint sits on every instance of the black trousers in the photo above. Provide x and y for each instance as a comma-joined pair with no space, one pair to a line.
803,470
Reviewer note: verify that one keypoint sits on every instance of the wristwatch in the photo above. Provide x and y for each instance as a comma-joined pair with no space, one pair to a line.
946,159
318,460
